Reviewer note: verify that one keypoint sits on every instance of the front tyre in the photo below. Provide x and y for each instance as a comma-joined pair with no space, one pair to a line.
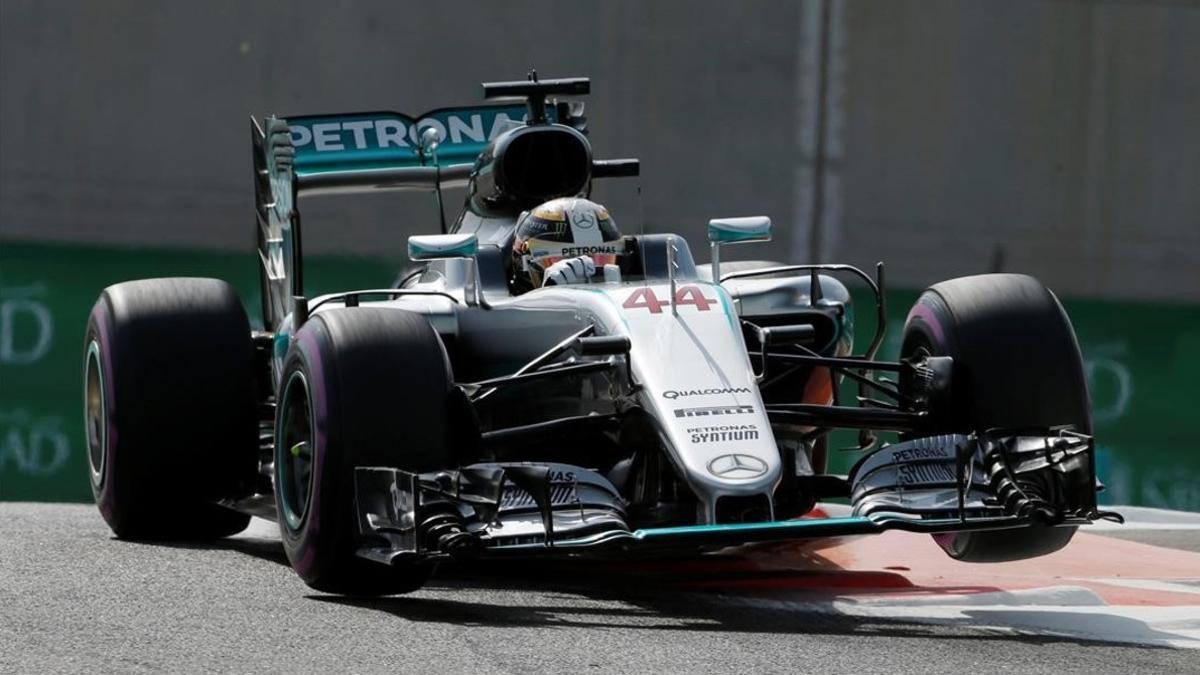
360,387
1016,364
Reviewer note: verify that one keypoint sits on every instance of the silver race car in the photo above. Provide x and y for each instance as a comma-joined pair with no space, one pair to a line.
541,385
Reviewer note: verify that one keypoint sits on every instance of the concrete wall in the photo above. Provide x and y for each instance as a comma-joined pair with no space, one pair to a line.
1057,138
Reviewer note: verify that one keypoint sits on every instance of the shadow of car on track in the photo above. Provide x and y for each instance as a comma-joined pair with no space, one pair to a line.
265,549
572,596
687,612
719,593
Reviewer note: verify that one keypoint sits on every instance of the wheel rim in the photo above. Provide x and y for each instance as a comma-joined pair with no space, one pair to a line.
294,451
95,414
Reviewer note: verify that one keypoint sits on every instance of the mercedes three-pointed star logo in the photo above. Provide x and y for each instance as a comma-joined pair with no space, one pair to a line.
585,220
737,466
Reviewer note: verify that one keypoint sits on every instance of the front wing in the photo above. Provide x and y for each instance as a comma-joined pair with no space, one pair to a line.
950,483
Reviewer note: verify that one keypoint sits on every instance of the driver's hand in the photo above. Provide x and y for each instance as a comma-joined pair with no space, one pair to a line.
570,271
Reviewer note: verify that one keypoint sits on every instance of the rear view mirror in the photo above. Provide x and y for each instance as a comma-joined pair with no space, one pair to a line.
442,246
735,231
739,230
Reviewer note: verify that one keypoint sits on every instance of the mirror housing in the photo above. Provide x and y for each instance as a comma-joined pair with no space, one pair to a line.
424,247
739,230
744,230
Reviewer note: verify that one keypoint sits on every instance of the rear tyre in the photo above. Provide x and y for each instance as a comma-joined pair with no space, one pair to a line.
169,407
1016,364
360,387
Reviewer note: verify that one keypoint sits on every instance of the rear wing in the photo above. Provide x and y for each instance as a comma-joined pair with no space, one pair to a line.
347,153
382,150
336,153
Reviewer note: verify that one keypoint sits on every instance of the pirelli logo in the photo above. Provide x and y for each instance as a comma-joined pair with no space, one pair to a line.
714,410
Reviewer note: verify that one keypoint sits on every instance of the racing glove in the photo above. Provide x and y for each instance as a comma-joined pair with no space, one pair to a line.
570,271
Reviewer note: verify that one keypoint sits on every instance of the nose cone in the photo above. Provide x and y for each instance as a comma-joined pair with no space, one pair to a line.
697,380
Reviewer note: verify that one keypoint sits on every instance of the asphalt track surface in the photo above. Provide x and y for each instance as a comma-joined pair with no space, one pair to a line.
72,598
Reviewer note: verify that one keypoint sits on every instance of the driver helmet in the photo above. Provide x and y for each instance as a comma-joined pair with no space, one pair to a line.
560,229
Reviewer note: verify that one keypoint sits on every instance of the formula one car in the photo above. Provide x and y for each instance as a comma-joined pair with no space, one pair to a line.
660,408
